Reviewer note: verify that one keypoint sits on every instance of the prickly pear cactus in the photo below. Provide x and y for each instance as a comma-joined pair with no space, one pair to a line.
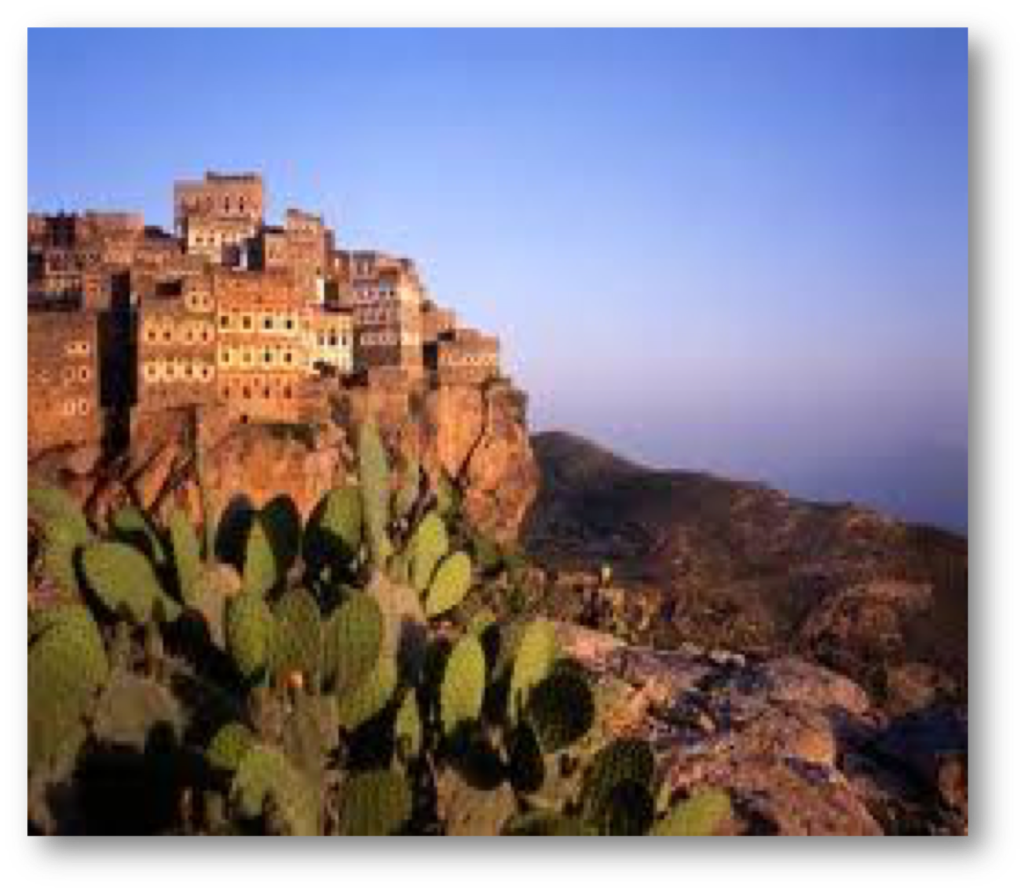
700,815
627,760
375,490
369,699
131,709
409,492
535,656
187,556
297,642
283,525
561,709
375,803
259,572
355,634
129,524
265,773
429,544
334,530
462,688
124,581
65,530
409,728
229,746
450,585
249,631
67,665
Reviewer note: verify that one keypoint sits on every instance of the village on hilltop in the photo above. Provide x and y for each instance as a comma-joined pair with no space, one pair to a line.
229,313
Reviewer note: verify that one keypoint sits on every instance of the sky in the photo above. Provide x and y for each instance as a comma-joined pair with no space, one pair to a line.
743,252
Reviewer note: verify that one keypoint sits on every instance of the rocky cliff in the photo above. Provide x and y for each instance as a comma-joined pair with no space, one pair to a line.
476,436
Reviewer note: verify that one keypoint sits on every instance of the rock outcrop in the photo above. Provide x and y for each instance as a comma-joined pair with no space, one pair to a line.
476,435
799,747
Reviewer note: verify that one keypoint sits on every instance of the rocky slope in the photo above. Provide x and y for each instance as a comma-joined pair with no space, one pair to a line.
741,566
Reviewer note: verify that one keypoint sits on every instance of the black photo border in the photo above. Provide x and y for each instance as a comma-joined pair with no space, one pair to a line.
990,550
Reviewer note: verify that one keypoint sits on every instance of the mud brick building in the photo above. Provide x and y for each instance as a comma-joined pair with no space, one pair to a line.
177,345
249,321
262,349
63,379
463,356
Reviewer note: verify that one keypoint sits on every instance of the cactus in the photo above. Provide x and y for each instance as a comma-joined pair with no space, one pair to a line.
310,733
375,803
470,810
187,557
700,815
451,583
51,504
132,708
123,580
282,524
229,746
561,709
534,658
249,630
546,822
266,774
334,530
297,642
356,632
374,488
621,761
129,524
409,728
216,585
628,810
462,688
409,492
428,545
526,766
259,572
64,528
369,699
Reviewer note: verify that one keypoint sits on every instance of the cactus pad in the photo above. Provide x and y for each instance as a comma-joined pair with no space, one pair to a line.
122,578
462,688
535,656
369,699
229,746
450,584
334,530
700,815
259,572
356,631
375,803
297,642
375,491
409,728
561,709
429,544
249,631
187,557
627,759
265,772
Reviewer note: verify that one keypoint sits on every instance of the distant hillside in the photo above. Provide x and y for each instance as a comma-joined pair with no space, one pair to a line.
744,565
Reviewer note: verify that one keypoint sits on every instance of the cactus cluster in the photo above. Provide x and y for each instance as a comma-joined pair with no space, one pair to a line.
330,675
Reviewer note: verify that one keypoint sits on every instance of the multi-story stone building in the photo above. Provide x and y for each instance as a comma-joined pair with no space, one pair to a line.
225,312
63,379
177,345
262,347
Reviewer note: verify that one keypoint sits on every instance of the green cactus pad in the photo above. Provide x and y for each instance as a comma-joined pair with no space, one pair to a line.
526,767
334,530
627,759
131,525
628,810
283,525
535,656
462,688
265,772
187,557
367,701
409,728
450,584
375,491
298,636
42,619
561,709
310,733
374,803
429,544
49,505
249,632
123,580
259,572
229,746
357,632
700,815
470,810
132,709
409,492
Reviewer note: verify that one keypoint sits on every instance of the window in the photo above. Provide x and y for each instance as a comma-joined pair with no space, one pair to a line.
246,393
288,357
84,373
246,321
226,392
268,356
266,393
225,322
268,322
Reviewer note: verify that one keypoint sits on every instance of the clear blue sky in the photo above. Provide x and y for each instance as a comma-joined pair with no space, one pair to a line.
742,251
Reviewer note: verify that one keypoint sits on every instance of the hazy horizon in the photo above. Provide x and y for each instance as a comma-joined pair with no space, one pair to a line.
737,251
